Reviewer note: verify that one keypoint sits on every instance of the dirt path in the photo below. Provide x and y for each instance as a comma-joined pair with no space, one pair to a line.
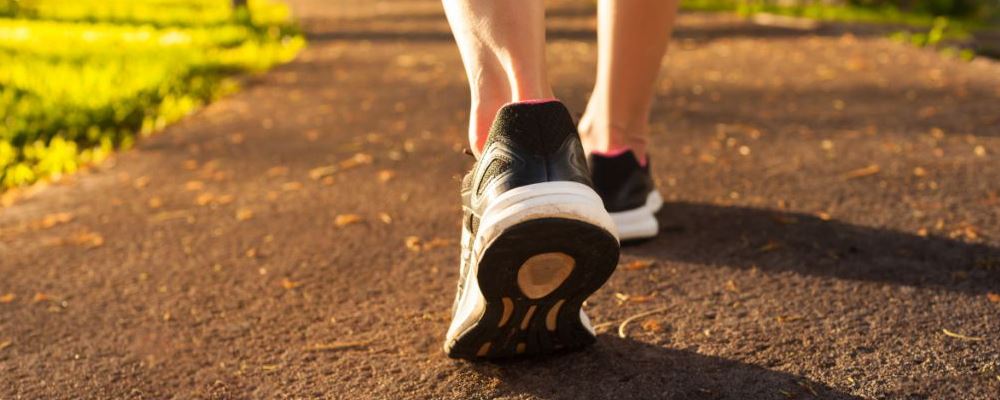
834,206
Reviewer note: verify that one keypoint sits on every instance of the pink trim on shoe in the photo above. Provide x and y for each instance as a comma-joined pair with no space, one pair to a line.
533,101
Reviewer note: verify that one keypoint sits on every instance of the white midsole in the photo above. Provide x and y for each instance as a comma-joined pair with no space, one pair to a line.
569,200
639,223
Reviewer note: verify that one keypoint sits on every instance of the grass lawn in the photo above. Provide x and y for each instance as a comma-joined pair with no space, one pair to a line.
920,29
80,78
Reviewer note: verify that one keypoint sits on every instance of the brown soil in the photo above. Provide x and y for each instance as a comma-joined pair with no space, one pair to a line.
833,208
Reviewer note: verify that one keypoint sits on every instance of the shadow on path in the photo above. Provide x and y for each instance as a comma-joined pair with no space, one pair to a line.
777,241
618,368
697,34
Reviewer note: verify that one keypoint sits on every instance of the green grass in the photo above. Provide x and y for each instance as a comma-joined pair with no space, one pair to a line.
84,77
918,29
828,12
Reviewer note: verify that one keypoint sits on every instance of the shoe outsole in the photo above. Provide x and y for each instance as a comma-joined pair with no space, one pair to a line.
514,324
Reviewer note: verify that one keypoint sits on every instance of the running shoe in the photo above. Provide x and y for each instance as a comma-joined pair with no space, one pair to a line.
628,192
536,240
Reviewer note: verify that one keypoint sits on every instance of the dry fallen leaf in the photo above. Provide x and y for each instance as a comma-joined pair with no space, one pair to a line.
204,199
141,182
435,243
622,328
385,218
5,344
640,299
823,215
220,176
193,186
322,172
346,219
863,172
40,297
651,325
291,186
927,112
51,220
275,172
244,214
636,265
289,284
993,297
413,243
386,175
7,298
89,239
155,202
357,160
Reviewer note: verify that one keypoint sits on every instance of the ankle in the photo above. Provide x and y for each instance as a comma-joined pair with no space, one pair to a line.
481,116
611,140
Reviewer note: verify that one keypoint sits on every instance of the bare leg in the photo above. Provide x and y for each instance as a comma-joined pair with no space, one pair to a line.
503,48
632,38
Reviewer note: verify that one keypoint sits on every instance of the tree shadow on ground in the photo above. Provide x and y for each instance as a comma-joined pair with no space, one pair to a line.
432,27
776,241
696,34
618,368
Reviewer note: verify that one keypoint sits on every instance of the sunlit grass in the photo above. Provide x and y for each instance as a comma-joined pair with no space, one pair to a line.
74,86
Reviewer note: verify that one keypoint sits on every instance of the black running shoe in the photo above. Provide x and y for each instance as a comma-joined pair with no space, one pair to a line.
536,240
629,194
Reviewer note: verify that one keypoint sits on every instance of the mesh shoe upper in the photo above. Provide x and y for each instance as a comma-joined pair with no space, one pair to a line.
527,144
621,181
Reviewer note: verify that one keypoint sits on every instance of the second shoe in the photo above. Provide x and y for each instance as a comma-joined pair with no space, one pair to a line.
628,192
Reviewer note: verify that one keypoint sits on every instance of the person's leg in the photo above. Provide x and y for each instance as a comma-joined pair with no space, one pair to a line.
632,38
502,44
530,219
